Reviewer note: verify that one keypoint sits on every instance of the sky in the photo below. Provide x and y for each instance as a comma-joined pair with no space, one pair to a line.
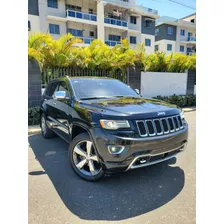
168,8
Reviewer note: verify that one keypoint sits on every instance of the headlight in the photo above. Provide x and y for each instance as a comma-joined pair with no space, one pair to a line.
114,124
182,115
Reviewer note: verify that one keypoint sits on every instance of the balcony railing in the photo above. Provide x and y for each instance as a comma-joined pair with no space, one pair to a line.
129,5
81,15
86,40
191,38
116,22
112,43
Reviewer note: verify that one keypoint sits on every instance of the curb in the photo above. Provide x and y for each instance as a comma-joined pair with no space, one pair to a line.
189,109
34,129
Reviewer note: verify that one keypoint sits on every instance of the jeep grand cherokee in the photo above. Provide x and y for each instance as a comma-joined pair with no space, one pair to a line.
109,126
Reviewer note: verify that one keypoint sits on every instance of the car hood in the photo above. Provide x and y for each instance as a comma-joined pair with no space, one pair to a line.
131,106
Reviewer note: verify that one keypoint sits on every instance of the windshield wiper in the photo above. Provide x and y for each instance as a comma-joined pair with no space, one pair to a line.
126,96
95,98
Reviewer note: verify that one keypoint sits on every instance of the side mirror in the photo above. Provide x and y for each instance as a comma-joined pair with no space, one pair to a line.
60,95
137,91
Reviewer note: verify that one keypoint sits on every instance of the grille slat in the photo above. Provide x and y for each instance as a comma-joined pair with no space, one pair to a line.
161,126
142,128
165,125
151,128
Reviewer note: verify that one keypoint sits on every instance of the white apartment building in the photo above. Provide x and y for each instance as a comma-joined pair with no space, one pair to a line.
108,20
33,17
176,35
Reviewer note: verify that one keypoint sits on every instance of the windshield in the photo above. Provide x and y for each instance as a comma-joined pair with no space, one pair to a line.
101,88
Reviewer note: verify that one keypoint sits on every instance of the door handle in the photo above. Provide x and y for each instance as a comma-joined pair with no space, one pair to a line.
54,103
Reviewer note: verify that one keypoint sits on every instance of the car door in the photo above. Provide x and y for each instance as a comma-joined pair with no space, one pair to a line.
62,111
49,104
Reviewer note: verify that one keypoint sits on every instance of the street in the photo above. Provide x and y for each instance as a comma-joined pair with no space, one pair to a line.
162,193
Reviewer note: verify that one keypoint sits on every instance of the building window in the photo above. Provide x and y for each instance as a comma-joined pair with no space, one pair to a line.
148,23
133,19
156,47
147,42
181,48
114,37
29,26
170,30
132,40
156,31
192,21
90,11
75,32
54,29
91,33
189,50
169,47
52,3
73,7
182,32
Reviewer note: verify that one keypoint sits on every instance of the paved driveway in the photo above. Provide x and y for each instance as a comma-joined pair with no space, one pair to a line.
162,193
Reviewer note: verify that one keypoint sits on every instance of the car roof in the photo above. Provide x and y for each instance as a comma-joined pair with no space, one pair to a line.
90,77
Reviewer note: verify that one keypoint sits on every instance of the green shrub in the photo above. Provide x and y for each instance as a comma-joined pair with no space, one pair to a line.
34,116
181,101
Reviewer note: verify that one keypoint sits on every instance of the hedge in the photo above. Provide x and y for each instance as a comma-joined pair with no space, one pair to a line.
181,100
34,116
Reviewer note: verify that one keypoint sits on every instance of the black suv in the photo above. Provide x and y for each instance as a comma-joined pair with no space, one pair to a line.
109,126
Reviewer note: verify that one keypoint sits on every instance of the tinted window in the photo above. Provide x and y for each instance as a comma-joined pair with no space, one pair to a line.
147,42
29,26
52,88
87,88
133,19
54,29
169,47
170,30
132,40
52,3
148,23
63,87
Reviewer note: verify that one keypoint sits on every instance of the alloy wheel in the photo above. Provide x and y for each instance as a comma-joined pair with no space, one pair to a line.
43,125
85,159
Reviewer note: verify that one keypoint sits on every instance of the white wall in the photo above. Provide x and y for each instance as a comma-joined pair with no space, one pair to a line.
148,49
34,23
164,84
163,45
44,11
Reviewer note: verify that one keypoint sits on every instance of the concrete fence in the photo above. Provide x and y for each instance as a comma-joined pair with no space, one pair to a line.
163,83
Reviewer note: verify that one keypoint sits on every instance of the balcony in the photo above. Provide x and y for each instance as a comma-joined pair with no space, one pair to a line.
191,39
85,40
81,17
134,7
115,23
112,43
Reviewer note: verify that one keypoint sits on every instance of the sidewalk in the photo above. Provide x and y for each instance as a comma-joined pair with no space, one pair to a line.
35,129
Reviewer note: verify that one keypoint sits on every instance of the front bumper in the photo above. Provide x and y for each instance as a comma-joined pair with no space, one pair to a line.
138,152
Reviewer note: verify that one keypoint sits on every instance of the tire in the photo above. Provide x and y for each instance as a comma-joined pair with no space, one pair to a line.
83,158
45,131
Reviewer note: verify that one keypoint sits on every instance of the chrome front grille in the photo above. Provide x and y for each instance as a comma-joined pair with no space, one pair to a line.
161,126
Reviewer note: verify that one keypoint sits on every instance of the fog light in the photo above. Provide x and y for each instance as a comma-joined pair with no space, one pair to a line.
114,149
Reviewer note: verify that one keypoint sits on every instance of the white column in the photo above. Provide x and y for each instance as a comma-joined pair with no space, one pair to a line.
177,39
100,20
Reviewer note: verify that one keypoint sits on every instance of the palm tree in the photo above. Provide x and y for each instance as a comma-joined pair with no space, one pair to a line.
49,52
36,42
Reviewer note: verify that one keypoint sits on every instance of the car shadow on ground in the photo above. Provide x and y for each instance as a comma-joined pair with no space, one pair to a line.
121,196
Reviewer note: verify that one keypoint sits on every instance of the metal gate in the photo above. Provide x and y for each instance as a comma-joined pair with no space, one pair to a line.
54,73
